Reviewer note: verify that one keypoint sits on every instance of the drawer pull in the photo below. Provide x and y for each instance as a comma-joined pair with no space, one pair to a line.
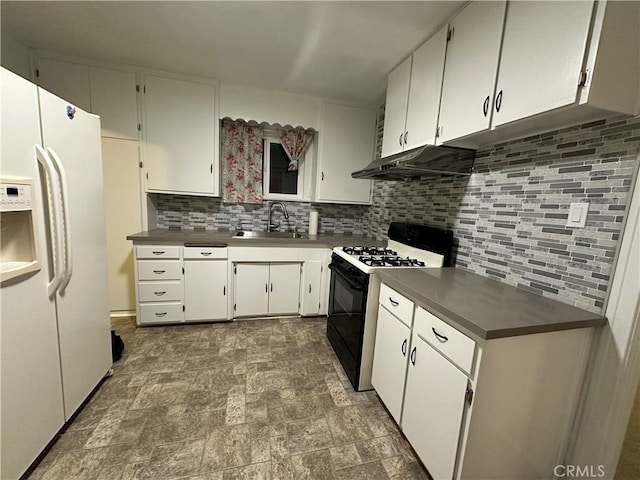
205,254
412,357
159,294
159,272
309,288
404,348
393,302
440,337
160,314
158,252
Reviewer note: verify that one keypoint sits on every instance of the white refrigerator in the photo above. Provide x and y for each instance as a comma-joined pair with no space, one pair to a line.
54,323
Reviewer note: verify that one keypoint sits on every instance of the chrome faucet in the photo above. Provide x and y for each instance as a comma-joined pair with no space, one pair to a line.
274,226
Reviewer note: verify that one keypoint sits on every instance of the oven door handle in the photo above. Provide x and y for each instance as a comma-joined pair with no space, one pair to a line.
344,277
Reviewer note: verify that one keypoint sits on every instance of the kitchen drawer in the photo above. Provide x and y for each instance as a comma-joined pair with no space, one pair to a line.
160,291
159,270
454,345
397,304
157,251
169,312
203,253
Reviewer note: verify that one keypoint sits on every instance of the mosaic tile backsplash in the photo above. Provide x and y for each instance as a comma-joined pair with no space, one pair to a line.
508,217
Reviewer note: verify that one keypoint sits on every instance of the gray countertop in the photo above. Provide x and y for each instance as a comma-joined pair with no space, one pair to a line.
226,237
485,307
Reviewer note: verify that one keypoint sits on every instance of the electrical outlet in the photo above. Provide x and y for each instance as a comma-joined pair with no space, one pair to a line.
578,215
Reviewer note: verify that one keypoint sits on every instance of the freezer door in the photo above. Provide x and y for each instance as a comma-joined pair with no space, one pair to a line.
31,400
72,138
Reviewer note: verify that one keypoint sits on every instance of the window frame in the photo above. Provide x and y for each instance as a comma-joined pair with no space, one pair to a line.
266,173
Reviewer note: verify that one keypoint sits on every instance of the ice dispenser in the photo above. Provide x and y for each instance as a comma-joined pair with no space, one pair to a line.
18,252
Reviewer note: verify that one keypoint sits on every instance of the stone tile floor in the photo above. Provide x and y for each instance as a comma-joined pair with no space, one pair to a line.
253,399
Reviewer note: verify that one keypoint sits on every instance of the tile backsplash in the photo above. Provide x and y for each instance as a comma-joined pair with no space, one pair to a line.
508,217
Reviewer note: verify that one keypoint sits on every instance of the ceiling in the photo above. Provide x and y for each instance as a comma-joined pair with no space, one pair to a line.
341,50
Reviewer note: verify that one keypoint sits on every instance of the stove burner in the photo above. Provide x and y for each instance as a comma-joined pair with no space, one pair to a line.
396,261
372,261
368,251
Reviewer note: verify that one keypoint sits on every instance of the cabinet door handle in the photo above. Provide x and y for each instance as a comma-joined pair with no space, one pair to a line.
404,348
160,314
159,272
393,302
205,254
266,288
322,176
272,287
224,290
406,134
158,252
309,288
439,336
412,357
400,140
498,101
159,294
485,106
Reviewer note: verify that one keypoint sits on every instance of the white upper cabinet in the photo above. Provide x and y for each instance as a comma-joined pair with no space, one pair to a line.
395,114
413,98
66,80
180,136
543,51
424,92
347,139
114,98
470,71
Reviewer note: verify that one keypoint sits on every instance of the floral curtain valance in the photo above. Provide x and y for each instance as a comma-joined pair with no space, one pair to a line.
241,162
295,143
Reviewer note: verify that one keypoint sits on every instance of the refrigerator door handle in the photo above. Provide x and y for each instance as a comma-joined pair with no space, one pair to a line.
68,260
55,218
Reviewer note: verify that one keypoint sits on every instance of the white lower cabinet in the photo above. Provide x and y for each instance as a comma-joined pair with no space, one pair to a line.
205,290
390,361
311,296
266,289
433,408
473,408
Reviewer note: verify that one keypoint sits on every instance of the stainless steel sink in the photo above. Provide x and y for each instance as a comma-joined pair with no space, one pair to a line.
250,234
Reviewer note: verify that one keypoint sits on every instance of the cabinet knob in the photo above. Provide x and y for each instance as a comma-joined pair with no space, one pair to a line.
393,302
159,294
158,252
400,140
205,254
160,314
498,101
159,272
485,106
406,134
439,336
404,348
412,357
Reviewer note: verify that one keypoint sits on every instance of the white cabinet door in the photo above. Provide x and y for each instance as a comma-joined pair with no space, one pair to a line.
67,80
390,361
311,287
471,67
433,408
180,132
536,79
284,288
424,92
395,114
114,98
251,289
205,290
347,139
120,170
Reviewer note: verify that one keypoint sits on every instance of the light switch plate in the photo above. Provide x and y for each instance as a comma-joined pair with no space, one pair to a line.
578,215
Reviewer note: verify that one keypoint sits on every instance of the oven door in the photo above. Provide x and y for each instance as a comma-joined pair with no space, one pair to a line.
346,315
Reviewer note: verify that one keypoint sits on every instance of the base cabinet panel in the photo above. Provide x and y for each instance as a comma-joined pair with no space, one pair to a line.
251,289
433,408
284,288
390,361
205,290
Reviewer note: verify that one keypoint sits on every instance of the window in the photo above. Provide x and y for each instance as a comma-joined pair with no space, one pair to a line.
278,182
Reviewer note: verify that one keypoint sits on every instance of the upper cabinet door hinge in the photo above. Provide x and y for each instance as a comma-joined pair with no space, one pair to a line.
583,78
450,33
469,395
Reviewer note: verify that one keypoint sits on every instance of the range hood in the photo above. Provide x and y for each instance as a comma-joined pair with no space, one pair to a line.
420,162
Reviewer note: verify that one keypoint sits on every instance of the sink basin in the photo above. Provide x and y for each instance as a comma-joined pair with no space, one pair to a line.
249,234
